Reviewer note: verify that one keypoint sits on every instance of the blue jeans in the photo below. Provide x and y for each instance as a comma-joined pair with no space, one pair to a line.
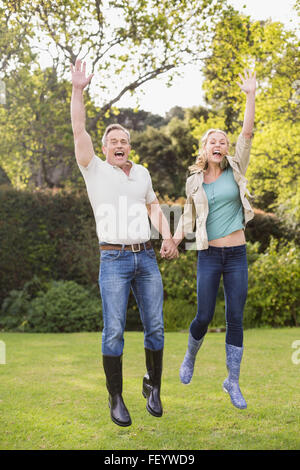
121,271
212,263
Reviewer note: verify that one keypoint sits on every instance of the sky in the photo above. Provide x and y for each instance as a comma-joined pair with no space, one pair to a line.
186,91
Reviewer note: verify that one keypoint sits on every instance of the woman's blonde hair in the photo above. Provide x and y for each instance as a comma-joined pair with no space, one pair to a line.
201,160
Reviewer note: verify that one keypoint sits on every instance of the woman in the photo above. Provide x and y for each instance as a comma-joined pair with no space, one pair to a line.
216,201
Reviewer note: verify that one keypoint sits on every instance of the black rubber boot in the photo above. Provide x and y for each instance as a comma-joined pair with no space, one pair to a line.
113,370
152,382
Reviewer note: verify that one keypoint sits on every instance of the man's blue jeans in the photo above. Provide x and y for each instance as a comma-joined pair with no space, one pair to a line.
121,271
212,263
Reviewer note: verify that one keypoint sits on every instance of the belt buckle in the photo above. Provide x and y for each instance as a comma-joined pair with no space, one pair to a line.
139,247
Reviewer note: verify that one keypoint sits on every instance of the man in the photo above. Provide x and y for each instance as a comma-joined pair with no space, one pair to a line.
122,197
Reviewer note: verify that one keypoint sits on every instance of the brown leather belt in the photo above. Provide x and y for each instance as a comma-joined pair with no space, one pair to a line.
136,247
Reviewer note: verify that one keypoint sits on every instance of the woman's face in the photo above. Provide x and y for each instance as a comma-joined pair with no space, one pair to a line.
216,147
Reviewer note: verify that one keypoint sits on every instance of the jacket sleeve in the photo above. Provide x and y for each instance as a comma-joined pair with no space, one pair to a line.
187,221
242,153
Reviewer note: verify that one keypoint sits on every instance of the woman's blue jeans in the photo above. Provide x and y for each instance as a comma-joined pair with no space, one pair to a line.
121,271
212,263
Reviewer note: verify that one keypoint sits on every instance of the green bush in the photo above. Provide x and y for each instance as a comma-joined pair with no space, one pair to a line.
65,307
61,306
14,309
264,226
178,314
180,277
274,294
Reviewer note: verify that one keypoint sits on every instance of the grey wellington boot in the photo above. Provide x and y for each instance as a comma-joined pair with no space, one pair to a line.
231,384
187,367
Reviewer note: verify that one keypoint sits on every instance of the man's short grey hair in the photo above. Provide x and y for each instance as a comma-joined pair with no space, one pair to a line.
112,127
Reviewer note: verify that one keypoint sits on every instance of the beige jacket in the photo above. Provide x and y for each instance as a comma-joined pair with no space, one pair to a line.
196,206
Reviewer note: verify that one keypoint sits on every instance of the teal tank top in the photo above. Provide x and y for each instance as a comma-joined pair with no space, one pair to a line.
226,213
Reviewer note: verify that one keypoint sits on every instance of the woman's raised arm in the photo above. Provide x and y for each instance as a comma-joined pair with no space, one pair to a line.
248,86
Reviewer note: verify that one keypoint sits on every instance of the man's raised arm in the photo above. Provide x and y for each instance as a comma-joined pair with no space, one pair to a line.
84,150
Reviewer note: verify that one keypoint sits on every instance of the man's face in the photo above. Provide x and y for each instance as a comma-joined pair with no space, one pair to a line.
116,148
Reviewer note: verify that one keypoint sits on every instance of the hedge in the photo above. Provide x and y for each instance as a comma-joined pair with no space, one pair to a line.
274,280
65,306
52,235
47,237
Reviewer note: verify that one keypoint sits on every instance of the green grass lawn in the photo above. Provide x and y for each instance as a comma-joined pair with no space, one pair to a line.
53,395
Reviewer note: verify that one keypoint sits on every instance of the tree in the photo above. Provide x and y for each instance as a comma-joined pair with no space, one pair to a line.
125,44
134,119
14,41
155,149
167,152
36,145
274,169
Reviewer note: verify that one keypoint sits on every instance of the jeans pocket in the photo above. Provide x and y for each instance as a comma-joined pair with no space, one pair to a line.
151,253
203,253
109,255
239,252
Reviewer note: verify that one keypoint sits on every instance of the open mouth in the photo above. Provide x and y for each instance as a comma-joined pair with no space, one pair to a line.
119,154
217,153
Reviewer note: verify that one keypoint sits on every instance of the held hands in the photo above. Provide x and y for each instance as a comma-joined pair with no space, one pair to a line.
248,84
168,249
79,80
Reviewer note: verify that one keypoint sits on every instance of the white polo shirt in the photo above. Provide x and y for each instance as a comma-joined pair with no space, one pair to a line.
119,201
